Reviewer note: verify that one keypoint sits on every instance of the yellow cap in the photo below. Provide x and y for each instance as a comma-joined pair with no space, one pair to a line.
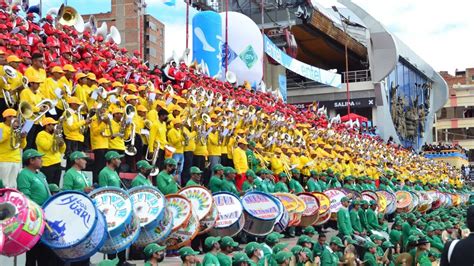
9,112
13,58
277,150
177,121
80,75
73,100
57,69
117,111
141,108
91,76
48,121
69,68
35,79
117,84
132,87
142,88
131,97
103,81
242,141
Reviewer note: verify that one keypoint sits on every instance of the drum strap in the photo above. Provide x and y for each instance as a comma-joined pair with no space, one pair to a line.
451,249
86,181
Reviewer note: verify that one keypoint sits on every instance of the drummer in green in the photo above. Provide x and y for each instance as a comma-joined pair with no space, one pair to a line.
329,255
372,220
228,183
369,256
251,182
268,183
294,185
364,206
212,244
255,252
355,218
154,254
227,247
188,256
108,176
215,183
165,181
195,179
281,185
343,219
74,178
350,183
313,185
31,181
144,169
323,181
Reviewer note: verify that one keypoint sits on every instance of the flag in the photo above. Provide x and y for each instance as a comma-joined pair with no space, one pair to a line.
169,2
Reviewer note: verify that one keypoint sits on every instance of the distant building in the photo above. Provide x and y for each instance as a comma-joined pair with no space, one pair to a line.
139,31
455,121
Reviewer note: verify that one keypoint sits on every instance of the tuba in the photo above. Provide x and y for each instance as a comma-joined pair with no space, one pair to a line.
25,112
68,16
155,171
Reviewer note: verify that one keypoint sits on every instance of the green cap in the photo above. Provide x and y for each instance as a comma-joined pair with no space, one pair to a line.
430,229
295,171
211,240
273,238
53,188
279,247
240,257
282,256
309,254
309,230
373,202
387,244
195,170
304,239
229,170
143,164
252,143
170,161
370,244
250,173
31,153
296,249
345,199
364,202
313,172
355,202
251,247
113,262
186,251
217,167
77,155
282,174
152,248
113,155
227,241
336,240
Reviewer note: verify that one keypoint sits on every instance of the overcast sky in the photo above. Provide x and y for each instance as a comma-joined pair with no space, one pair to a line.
441,32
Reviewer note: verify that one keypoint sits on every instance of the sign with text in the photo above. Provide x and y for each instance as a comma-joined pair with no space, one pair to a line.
340,104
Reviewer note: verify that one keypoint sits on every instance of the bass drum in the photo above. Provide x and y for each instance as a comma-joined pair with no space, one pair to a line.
324,208
261,211
203,203
391,201
311,213
335,195
230,220
283,219
290,203
404,201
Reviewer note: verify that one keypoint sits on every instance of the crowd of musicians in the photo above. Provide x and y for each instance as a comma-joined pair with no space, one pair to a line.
75,97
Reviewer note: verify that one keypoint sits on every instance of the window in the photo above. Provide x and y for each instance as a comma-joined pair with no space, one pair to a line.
472,78
153,26
152,52
152,38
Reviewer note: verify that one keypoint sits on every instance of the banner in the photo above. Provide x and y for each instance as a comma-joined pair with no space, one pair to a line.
282,84
310,72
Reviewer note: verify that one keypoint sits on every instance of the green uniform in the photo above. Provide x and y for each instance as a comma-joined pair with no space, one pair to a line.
192,183
335,183
385,187
108,178
329,258
252,160
370,260
435,244
421,260
210,260
295,186
33,185
372,220
344,222
313,185
363,218
75,180
281,187
166,183
229,186
318,249
323,185
247,186
215,184
141,180
419,188
406,228
224,260
355,221
270,185
395,236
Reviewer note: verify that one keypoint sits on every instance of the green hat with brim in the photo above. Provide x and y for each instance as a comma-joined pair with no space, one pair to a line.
373,202
152,248
229,170
387,244
251,247
143,164
279,247
364,202
211,240
227,241
309,230
309,254
345,199
217,167
250,173
313,172
370,244
195,170
273,238
295,171
296,249
240,257
336,240
282,174
282,256
31,153
304,239
187,251
53,188
78,155
113,155
170,161
113,262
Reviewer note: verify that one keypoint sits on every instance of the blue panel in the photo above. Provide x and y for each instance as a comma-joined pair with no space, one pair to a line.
207,36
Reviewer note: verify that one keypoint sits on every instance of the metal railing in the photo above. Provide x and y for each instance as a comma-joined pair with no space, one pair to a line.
357,76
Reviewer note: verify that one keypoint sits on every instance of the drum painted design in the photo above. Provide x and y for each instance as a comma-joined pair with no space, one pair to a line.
180,208
415,202
159,233
79,229
404,200
124,240
230,220
311,213
23,224
299,210
436,199
116,205
425,201
184,235
210,220
148,205
201,200
290,203
335,195
324,208
283,219
261,211
391,201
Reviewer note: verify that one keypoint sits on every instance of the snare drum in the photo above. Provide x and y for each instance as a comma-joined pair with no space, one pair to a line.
335,195
324,208
22,224
181,210
149,207
203,203
230,220
404,200
122,225
290,203
261,211
311,213
79,230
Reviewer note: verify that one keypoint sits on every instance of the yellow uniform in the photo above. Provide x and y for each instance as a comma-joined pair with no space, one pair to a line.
98,141
213,147
201,148
175,139
230,147
7,154
48,91
44,143
239,158
158,133
152,115
32,98
303,161
118,142
276,165
30,72
192,139
73,131
139,125
82,94
14,83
